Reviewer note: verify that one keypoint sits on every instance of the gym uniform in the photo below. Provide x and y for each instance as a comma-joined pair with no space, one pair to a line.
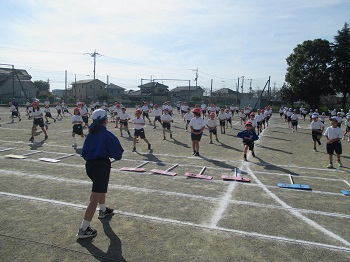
332,133
197,124
77,128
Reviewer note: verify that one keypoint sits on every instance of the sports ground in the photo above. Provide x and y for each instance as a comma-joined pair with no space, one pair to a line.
175,218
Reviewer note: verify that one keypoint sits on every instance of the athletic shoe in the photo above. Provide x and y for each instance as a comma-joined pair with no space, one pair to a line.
164,138
46,137
154,127
319,142
245,158
54,120
253,154
19,120
217,140
315,150
89,232
108,212
348,139
210,142
31,139
340,164
149,146
171,135
121,134
196,154
330,166
74,145
134,149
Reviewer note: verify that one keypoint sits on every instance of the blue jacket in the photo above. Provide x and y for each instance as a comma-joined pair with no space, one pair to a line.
103,144
248,136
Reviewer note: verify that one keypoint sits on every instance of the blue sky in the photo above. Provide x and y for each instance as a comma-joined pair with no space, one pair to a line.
163,38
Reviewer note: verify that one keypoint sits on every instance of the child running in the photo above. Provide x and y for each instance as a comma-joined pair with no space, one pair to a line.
166,122
124,118
316,127
187,117
139,131
228,117
99,146
212,123
347,128
294,118
197,125
59,110
84,114
222,121
37,121
157,114
77,122
14,112
48,114
249,136
334,135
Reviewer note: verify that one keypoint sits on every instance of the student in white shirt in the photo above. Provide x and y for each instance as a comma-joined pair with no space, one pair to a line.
294,118
316,127
228,118
212,123
188,117
145,111
166,122
242,116
204,109
77,122
48,114
123,121
197,125
59,110
14,112
84,114
38,120
157,114
347,128
222,120
139,131
334,135
184,108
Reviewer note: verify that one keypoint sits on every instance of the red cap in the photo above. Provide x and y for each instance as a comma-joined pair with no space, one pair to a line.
138,111
196,110
248,123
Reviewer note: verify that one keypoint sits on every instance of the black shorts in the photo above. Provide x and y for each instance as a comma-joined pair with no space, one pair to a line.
203,112
229,120
78,129
316,135
222,123
196,137
85,119
123,122
250,144
145,114
258,124
98,171
140,133
65,111
157,118
58,112
294,123
289,118
14,113
214,131
335,146
166,125
38,122
48,114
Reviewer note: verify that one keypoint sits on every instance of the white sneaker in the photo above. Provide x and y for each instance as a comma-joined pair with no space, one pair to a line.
340,164
74,145
330,166
315,150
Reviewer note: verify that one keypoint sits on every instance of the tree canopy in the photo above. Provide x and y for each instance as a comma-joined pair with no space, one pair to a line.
308,71
340,66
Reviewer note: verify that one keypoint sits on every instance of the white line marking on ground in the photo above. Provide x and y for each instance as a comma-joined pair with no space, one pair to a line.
184,223
295,213
170,193
223,203
346,182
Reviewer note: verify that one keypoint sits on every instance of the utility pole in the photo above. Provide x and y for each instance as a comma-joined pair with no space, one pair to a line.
196,79
237,89
65,83
211,91
242,84
94,54
107,87
250,88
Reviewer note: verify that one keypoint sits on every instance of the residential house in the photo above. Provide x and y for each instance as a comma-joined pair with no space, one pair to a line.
151,92
87,90
186,93
225,96
16,83
115,92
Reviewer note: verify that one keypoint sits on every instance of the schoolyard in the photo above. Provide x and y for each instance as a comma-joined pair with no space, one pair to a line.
174,218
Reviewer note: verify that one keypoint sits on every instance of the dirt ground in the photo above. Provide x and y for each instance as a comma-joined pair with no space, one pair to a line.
164,218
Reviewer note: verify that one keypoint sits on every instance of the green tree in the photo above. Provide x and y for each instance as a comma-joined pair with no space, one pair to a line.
340,67
41,86
308,71
287,95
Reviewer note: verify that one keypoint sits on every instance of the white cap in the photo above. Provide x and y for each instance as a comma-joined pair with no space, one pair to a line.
99,114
